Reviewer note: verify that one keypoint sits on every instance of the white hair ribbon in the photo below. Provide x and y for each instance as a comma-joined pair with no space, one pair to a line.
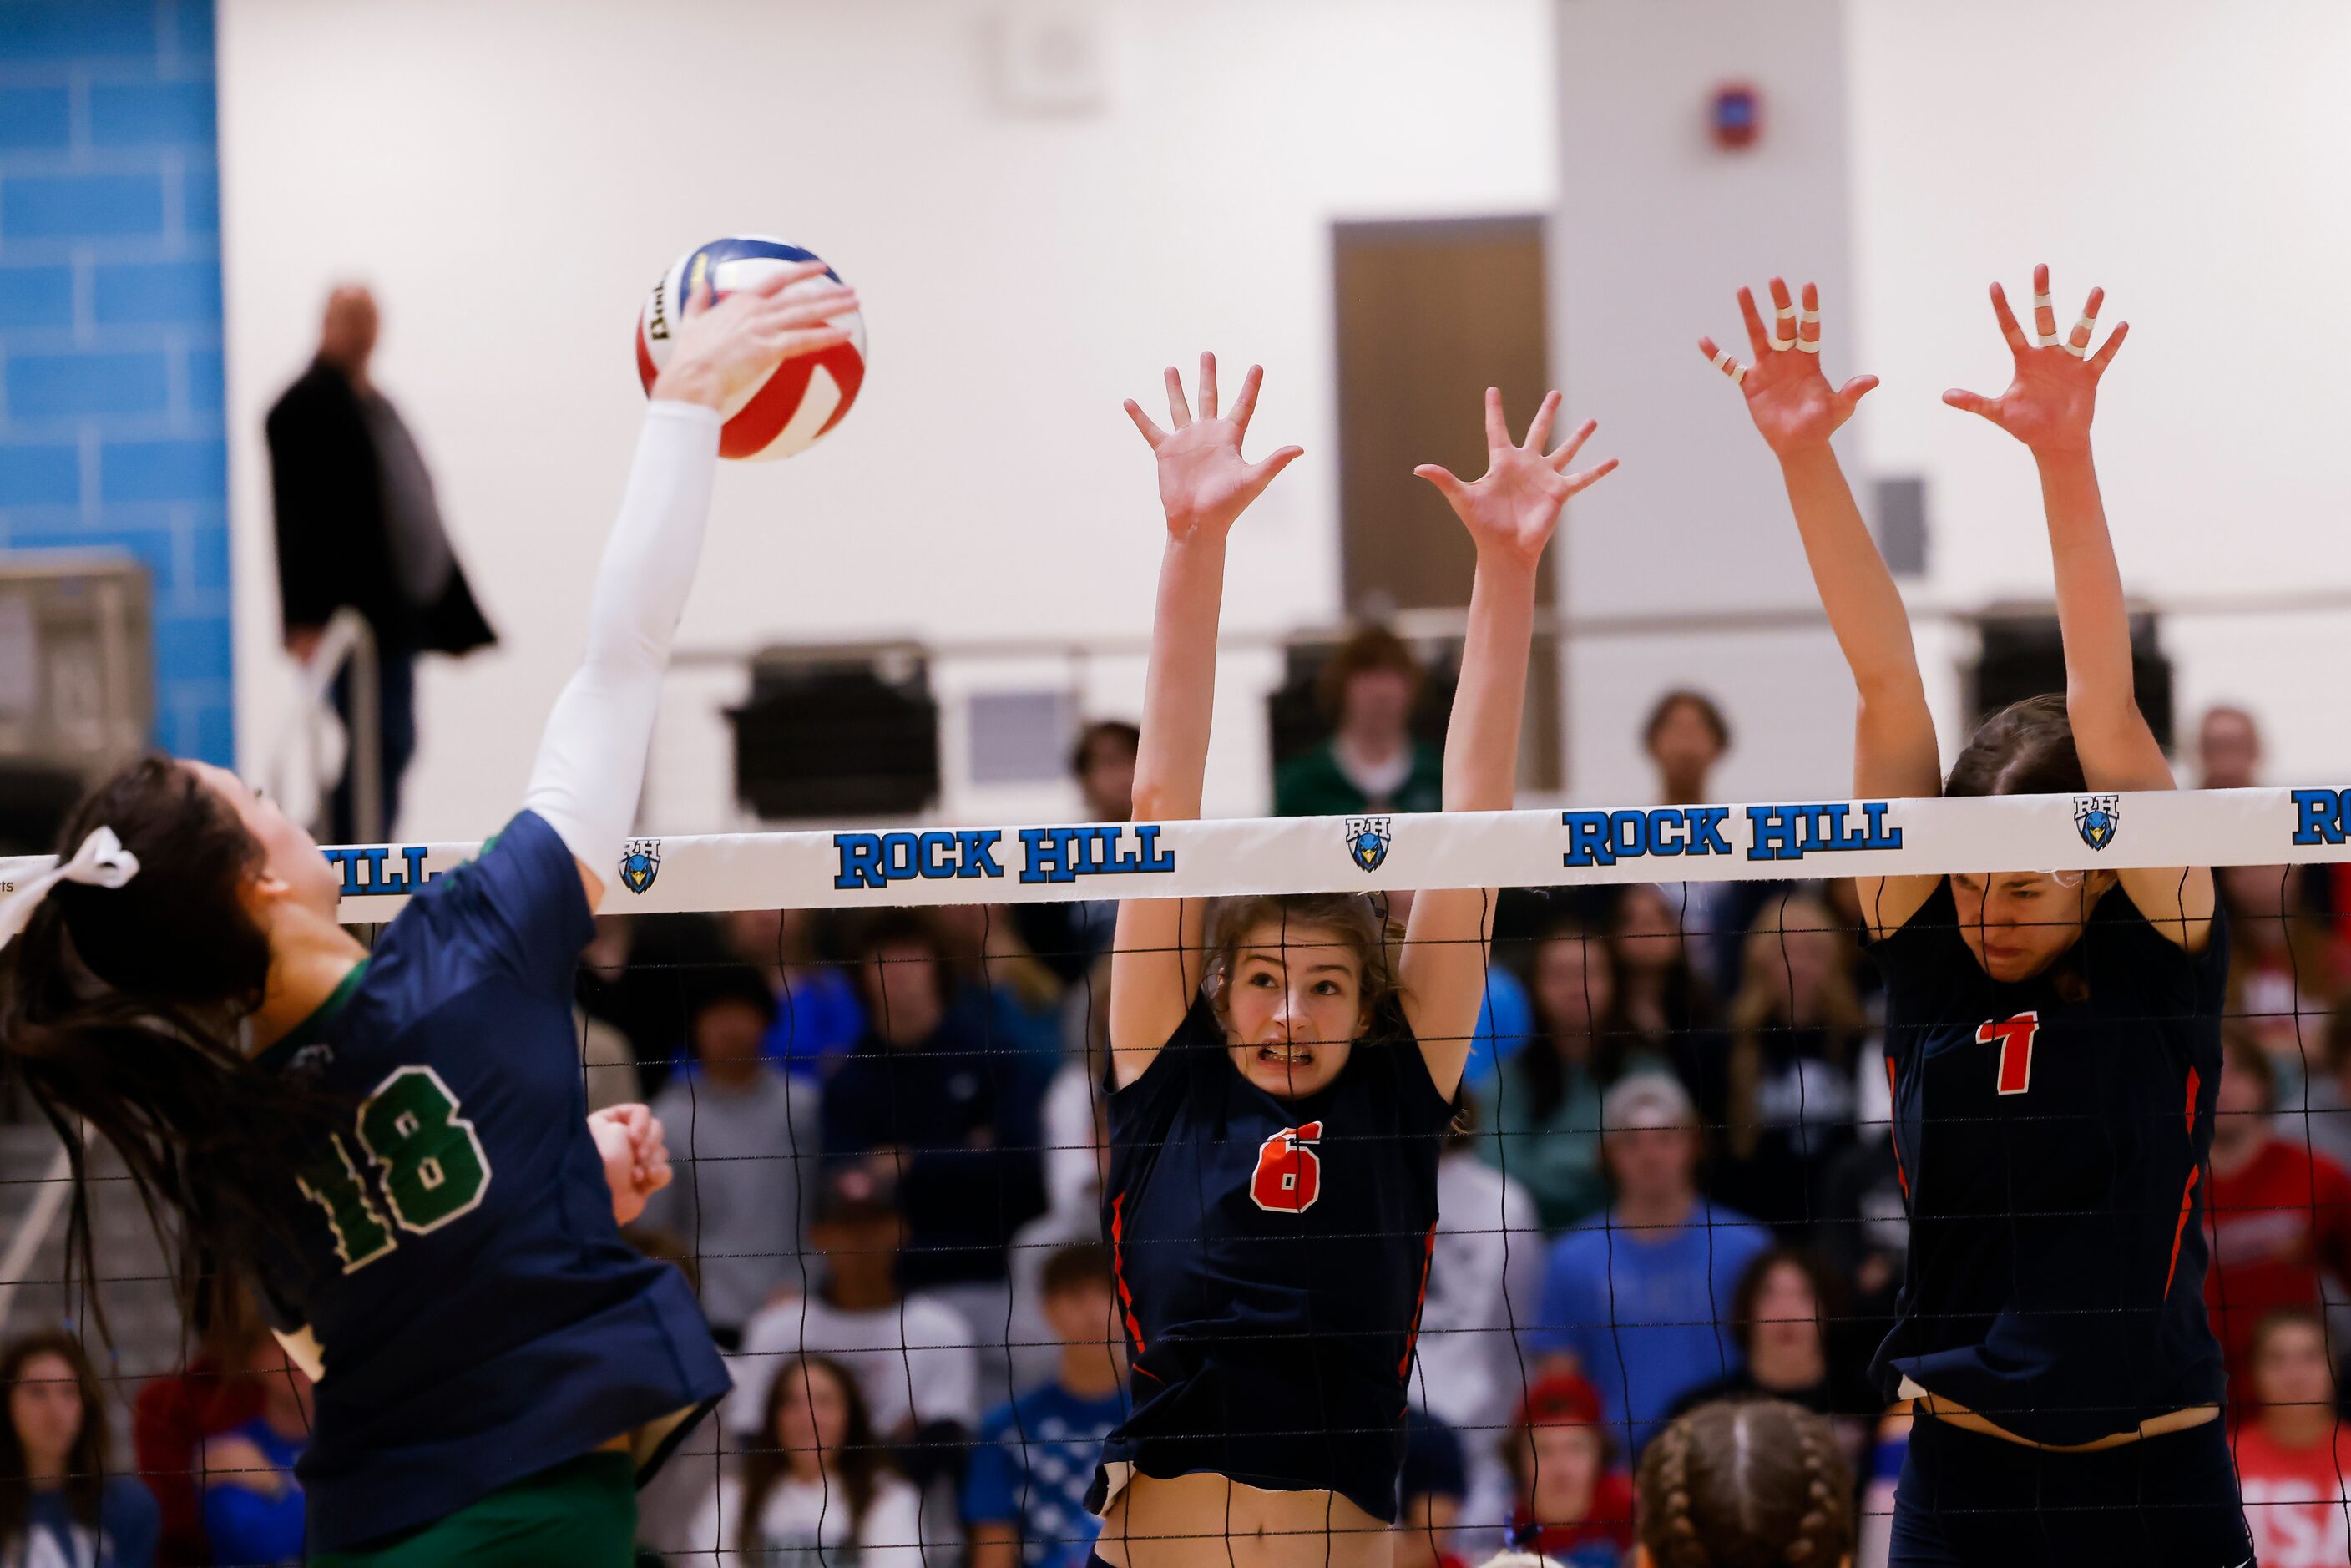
101,862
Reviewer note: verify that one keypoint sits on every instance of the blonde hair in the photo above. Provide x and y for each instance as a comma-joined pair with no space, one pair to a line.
1764,999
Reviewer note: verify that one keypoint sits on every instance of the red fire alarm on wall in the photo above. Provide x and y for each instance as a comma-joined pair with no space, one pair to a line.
1736,115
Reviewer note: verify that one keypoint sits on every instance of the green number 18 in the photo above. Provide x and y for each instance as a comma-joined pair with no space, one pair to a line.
428,1158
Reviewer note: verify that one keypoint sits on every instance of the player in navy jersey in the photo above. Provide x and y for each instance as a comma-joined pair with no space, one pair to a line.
392,1142
1280,1093
2053,1040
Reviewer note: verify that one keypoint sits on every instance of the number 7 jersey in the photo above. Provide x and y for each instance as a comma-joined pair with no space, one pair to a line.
479,1316
2052,1137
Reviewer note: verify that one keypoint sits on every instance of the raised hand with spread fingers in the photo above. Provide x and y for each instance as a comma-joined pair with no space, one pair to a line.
1514,505
2053,394
1788,397
1205,483
1796,412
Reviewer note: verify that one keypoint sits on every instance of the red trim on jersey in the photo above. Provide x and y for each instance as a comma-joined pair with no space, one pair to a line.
1118,1269
1899,1174
1412,1335
2193,1083
2186,1202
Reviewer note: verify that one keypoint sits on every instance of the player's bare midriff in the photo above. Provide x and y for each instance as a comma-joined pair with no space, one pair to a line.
1966,1420
1191,1521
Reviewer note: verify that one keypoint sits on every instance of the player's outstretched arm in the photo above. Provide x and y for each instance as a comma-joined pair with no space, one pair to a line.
2050,405
1204,485
1510,512
591,758
1796,411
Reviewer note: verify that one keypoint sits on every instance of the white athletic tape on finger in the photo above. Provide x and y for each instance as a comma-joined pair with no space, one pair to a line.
887,864
2085,329
2079,351
1809,345
2043,302
1729,367
1780,316
1808,315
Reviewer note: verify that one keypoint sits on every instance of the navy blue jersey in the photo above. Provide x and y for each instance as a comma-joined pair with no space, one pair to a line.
1271,1257
481,1318
2052,1137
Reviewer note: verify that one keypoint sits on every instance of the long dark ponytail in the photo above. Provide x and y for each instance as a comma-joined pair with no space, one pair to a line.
119,1012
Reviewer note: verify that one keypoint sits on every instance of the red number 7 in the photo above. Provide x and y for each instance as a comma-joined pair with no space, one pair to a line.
2015,1037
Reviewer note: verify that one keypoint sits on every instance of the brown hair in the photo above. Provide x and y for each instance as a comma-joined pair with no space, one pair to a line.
1360,926
859,1462
1081,1265
1373,648
1749,1483
1763,1002
2026,748
1125,736
1542,1069
2240,1051
85,1465
120,1007
1744,1296
1698,702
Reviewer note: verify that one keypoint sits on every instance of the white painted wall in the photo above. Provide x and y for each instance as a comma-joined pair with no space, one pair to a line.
511,177
2196,159
1656,230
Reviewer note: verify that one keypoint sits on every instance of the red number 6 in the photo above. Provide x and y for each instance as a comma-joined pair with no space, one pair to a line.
1288,1174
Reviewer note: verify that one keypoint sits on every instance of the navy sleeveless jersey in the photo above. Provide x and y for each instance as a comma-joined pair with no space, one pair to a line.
1272,1258
480,1317
2052,1136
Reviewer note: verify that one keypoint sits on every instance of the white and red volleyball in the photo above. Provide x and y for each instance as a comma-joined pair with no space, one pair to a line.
804,397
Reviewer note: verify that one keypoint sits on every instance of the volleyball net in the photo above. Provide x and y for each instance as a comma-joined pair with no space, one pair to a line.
879,1055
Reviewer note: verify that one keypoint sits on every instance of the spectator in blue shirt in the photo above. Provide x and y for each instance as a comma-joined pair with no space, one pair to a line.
1024,1497
57,1503
253,1504
1638,1298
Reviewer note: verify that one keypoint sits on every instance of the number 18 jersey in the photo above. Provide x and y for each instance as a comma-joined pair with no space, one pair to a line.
480,1317
2052,1137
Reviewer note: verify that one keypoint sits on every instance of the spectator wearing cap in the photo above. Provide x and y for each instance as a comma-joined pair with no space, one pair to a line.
742,1136
1574,1505
921,1103
911,1353
1371,763
1636,1298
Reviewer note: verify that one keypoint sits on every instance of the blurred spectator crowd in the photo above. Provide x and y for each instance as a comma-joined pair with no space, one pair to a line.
1671,1184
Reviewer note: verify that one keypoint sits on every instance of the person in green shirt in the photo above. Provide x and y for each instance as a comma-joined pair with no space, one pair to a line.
1544,1105
1371,763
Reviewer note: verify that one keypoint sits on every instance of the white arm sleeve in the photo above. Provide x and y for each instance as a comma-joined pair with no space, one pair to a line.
592,759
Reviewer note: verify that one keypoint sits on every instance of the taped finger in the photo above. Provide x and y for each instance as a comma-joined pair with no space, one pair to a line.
2045,309
2078,343
1730,367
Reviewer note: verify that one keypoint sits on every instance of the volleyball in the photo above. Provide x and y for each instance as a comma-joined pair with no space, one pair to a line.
804,397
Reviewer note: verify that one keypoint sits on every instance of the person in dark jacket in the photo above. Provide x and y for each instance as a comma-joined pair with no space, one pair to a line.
357,525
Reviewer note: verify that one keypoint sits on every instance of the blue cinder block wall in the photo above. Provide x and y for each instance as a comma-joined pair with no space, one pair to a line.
110,384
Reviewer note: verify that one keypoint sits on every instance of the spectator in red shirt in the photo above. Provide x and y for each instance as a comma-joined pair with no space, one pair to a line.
2292,1463
1573,1505
2277,1216
172,1417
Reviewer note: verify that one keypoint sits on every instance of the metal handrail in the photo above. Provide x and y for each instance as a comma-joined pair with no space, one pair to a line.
347,642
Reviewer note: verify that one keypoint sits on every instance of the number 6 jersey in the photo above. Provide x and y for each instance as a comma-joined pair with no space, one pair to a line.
2052,1136
479,1316
1271,1259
